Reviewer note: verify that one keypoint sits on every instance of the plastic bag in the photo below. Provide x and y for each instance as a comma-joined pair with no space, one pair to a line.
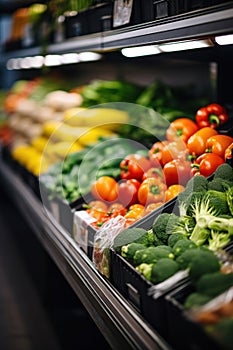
103,241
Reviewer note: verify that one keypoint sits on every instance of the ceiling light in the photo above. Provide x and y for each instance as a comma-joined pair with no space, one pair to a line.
224,39
140,51
89,56
185,45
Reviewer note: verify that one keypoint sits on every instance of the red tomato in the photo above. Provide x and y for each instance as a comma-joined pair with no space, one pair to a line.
105,188
128,191
181,128
177,172
134,166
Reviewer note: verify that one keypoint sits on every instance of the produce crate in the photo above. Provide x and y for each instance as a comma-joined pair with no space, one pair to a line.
145,222
182,332
134,286
140,292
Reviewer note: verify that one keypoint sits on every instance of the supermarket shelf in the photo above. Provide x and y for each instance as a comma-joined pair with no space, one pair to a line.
196,24
119,322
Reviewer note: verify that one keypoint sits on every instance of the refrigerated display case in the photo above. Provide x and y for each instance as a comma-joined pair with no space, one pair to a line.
119,321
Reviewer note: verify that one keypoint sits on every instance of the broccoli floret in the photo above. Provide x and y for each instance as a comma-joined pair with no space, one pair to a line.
186,207
229,195
185,259
157,242
150,238
173,238
182,245
151,255
207,220
218,239
197,184
218,201
203,263
213,284
219,184
164,224
195,299
130,235
222,333
160,271
224,171
128,251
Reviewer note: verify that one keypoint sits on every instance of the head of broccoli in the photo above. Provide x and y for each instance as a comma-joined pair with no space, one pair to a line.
195,299
151,255
183,245
203,263
213,284
224,171
128,251
164,225
173,238
129,235
160,271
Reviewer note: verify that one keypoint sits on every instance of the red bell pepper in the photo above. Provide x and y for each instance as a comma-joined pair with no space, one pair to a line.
134,166
212,115
206,164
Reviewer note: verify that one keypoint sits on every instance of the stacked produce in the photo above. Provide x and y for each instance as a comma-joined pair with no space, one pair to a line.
158,175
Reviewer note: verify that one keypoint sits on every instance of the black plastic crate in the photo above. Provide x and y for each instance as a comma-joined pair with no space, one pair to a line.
182,332
140,292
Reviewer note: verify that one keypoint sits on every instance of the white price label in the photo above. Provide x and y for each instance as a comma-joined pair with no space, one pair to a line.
122,12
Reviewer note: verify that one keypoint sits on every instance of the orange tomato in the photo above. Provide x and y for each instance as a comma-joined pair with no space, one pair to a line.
172,191
105,188
196,144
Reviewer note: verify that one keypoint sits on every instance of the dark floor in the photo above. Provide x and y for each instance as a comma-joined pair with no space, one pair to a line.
31,317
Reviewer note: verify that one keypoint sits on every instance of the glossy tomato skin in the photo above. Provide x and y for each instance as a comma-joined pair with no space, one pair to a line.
105,188
196,144
177,172
181,128
134,166
208,163
152,190
128,191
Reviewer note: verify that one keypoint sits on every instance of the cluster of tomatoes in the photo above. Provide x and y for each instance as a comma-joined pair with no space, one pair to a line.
147,182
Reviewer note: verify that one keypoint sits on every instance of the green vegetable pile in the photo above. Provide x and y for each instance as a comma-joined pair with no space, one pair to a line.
73,178
189,241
